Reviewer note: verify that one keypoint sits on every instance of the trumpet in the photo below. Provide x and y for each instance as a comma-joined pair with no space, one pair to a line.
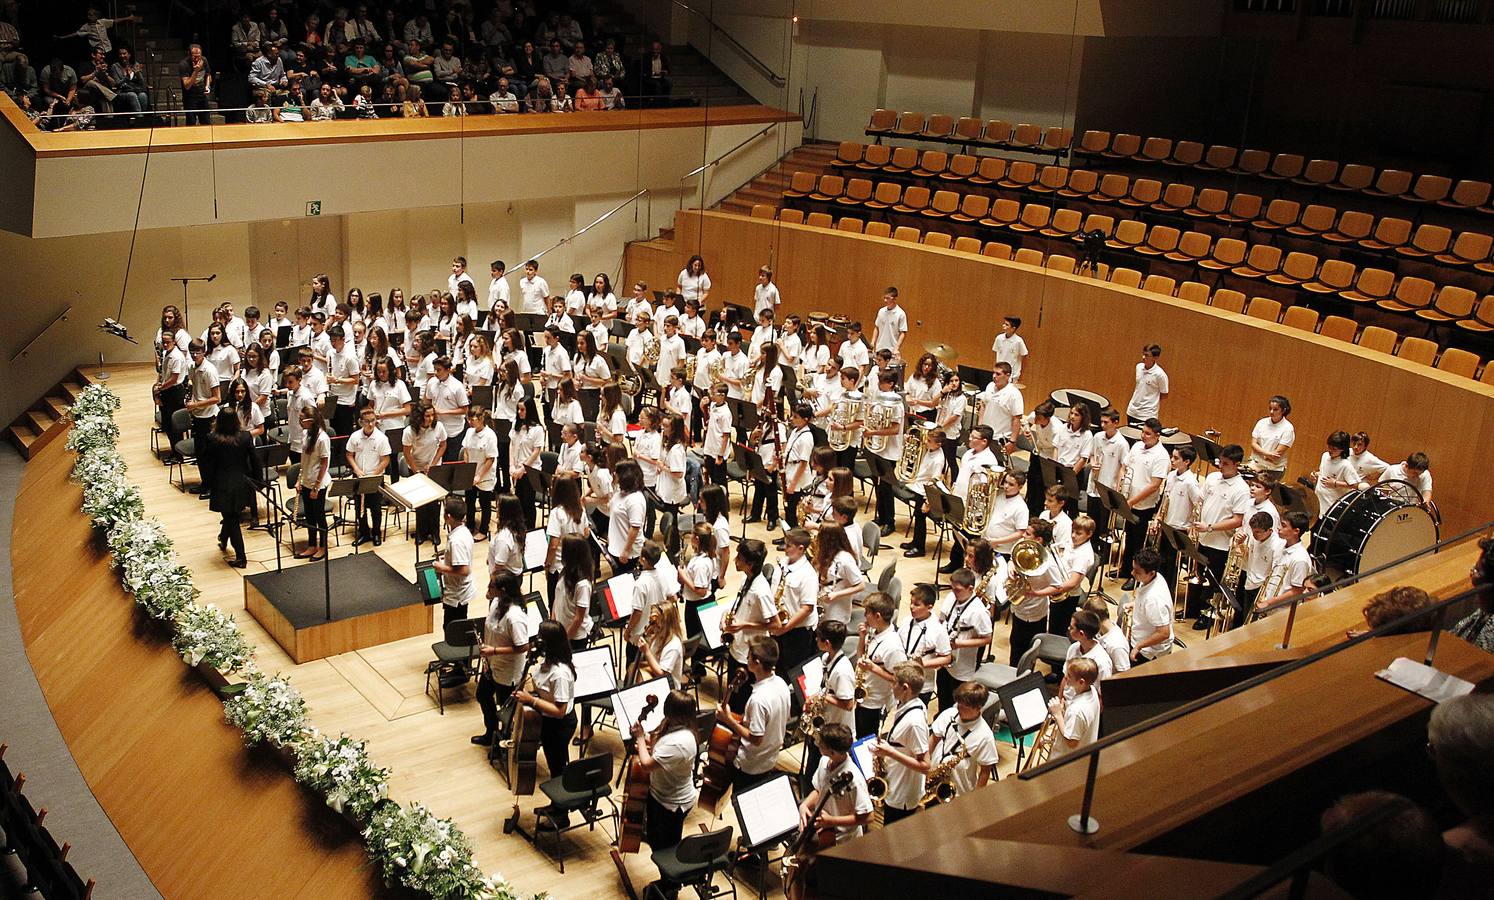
939,786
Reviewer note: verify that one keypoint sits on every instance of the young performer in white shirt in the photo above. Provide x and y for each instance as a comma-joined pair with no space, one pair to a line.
553,696
1151,609
843,815
765,721
959,728
505,643
1147,465
422,446
1272,437
1415,469
878,653
368,455
1226,502
533,290
1111,637
1078,714
454,565
1263,549
480,446
931,470
668,755
765,293
1009,347
924,638
801,589
1152,386
904,743
891,325
1293,566
969,625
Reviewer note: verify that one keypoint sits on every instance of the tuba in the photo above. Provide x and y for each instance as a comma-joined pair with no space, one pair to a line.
879,414
843,416
1028,558
978,497
650,349
913,451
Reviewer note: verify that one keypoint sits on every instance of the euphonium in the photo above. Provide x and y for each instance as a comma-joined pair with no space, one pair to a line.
650,349
843,415
913,451
879,414
938,785
1028,557
978,498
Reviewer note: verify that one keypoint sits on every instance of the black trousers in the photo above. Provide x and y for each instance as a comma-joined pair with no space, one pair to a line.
920,527
1036,486
555,740
741,781
454,446
524,490
171,401
892,814
202,432
453,612
1060,611
715,471
370,513
505,482
1021,637
794,647
231,531
886,510
663,827
765,493
490,697
479,501
867,720
396,437
951,449
1136,538
316,517
344,421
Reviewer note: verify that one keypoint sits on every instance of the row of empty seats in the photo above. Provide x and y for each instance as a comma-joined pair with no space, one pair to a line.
1194,249
1450,304
1294,168
1434,243
967,131
31,861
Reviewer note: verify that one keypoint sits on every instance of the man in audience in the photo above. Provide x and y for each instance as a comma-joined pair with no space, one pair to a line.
447,68
268,73
556,65
197,82
654,73
1399,857
580,64
246,36
503,99
362,28
419,64
418,30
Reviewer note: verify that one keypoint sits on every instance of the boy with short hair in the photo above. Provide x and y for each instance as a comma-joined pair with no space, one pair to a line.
848,811
879,654
923,637
1010,348
1295,562
1078,715
962,728
906,742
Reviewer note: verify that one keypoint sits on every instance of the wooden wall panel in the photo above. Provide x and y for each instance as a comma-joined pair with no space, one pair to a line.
1087,334
205,817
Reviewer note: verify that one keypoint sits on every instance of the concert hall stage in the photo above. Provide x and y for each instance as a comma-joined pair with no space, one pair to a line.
372,604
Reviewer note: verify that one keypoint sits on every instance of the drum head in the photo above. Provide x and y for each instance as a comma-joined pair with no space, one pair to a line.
1399,534
1175,438
1131,433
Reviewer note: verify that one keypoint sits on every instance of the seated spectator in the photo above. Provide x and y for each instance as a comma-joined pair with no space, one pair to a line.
1477,628
327,68
311,33
419,29
562,101
447,68
1387,606
556,65
411,103
311,79
541,98
10,36
588,97
96,85
654,73
58,82
1460,739
292,105
388,105
475,105
96,30
1400,857
612,97
453,105
501,65
493,32
18,78
363,102
246,36
273,28
363,27
338,30
503,99
528,65
568,32
65,116
544,31
609,63
393,29
268,72
327,105
580,63
259,111
418,65
360,68
390,64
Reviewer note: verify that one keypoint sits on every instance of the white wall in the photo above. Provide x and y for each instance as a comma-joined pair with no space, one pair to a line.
931,69
843,69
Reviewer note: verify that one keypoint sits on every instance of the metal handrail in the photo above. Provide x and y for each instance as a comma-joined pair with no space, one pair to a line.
757,63
61,317
594,222
1209,700
701,168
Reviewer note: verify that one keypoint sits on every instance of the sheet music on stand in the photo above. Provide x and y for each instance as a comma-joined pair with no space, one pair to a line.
414,491
595,674
812,676
861,754
767,812
710,622
620,593
628,703
536,548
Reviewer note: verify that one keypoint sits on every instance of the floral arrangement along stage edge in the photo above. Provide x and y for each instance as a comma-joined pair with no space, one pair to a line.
411,846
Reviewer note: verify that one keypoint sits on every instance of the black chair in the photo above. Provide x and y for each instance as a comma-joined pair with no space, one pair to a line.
579,790
694,862
456,658
185,450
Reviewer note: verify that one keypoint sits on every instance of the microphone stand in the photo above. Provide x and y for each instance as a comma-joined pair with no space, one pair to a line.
185,279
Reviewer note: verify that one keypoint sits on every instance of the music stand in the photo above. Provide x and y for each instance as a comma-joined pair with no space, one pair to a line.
283,336
530,322
692,344
1205,448
744,415
1187,550
268,458
1025,703
480,395
290,356
1114,501
364,486
751,462
412,492
397,340
1053,473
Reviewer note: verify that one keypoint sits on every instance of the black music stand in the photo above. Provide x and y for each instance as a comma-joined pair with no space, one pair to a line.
364,486
751,462
744,416
1187,550
1205,448
530,322
454,477
267,459
481,395
947,510
692,344
1053,473
1019,727
290,356
283,336
1114,502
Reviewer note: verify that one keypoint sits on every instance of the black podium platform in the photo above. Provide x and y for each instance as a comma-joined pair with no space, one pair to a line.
372,604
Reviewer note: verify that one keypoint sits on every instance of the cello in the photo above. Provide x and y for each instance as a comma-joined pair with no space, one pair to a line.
635,793
800,859
522,745
721,753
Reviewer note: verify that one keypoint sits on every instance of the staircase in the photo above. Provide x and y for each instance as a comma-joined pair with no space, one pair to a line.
769,186
37,426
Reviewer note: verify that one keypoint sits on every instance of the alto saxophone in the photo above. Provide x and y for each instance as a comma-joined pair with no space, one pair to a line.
938,784
812,719
876,785
983,585
781,614
859,691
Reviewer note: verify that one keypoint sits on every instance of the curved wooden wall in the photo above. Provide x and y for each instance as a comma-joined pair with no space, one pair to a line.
1088,334
204,816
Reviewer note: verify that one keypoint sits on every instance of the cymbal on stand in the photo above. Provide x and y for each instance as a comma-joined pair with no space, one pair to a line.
942,351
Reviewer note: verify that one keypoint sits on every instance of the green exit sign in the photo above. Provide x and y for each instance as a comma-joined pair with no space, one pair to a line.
313,207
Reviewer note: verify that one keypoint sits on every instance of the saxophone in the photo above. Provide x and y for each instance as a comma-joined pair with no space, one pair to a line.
978,496
781,615
914,449
843,416
812,719
876,785
860,689
984,584
939,787
690,365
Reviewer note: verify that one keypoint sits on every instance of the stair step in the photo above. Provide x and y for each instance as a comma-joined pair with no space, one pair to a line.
23,437
56,406
70,391
40,421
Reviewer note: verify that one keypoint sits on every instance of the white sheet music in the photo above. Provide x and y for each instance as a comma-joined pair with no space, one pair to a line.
414,491
812,678
767,812
1422,679
1030,708
595,674
624,595
628,703
536,548
533,617
710,622
861,754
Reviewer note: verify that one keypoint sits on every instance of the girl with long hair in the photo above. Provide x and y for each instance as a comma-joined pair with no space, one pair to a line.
524,457
506,553
715,511
567,519
505,641
241,401
424,445
611,419
592,372
668,754
260,377
232,465
316,477
664,653
553,696
389,397
751,612
698,579
629,511
841,580
481,367
508,393
480,446
515,351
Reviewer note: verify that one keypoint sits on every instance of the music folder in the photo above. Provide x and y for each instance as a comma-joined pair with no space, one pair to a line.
595,675
1025,702
1115,501
283,336
414,491
710,622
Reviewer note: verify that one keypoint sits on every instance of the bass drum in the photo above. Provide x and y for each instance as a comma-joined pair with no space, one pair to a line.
1366,529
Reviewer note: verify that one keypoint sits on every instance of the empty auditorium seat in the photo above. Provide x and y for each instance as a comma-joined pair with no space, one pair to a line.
1094,143
1082,183
903,160
997,250
1155,150
1192,247
1218,158
1003,214
1112,188
1319,173
1251,162
1285,167
887,195
972,209
1060,263
1373,337
991,170
1452,303
1371,286
1026,136
1064,224
801,184
1229,301
1160,240
1316,220
1467,195
1194,292
1057,139
818,220
967,244
1124,146
961,167
1390,183
1390,233
1410,294
1035,217
1429,189
882,122
1125,277
997,134
1417,350
1297,268
932,164
1469,249
1458,362
1429,240
850,224
1028,256
849,154
1339,328
938,127
878,229
915,200
966,131
1334,276
858,191
1242,208
791,216
1482,321
1264,308
1353,177
1186,153
1262,260
1300,317
1159,284
1129,234
943,205
1209,203
830,187
938,239
1176,197
1279,214
875,158
906,233
1050,180
1227,253
910,124
1144,192
1352,226
763,211
1019,175
1099,222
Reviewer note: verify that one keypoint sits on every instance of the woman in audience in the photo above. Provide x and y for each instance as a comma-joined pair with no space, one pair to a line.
1478,627
1387,606
411,104
232,463
1460,739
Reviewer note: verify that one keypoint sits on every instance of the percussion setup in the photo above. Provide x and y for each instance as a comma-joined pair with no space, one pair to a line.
1368,528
